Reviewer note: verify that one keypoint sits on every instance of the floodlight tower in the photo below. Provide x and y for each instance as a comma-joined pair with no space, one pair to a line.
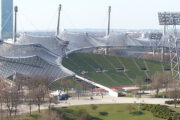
60,6
155,41
171,19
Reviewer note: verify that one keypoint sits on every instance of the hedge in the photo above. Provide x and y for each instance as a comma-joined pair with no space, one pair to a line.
161,111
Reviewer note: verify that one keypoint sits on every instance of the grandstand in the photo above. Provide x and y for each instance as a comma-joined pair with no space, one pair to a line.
89,62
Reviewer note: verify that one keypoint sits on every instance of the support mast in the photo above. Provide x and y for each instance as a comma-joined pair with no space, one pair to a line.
60,6
15,22
109,21
108,29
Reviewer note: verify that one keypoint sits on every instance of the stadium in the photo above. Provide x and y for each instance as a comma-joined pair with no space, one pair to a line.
105,61
80,54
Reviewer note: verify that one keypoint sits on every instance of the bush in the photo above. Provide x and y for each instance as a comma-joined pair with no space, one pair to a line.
161,111
137,113
130,108
129,95
94,107
83,115
172,102
103,113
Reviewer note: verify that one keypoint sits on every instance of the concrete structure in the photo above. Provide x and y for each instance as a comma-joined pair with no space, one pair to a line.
6,19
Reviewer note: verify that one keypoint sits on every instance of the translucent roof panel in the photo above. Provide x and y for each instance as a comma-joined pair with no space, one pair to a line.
52,43
22,51
117,39
31,66
80,41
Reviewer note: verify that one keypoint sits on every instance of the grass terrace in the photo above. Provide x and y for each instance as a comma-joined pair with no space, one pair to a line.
89,62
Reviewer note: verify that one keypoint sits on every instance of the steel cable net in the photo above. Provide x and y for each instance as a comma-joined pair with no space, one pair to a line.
30,66
42,55
117,39
52,43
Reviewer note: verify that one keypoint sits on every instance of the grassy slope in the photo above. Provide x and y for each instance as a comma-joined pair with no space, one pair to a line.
89,62
115,112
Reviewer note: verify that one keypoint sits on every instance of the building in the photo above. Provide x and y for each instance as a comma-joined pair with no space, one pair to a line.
6,19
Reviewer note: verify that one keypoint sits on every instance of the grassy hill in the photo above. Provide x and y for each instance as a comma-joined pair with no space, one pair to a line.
89,62
91,112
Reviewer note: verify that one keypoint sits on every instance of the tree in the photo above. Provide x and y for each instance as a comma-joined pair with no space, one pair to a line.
167,78
175,92
140,83
65,84
12,99
38,95
157,81
30,100
38,90
3,85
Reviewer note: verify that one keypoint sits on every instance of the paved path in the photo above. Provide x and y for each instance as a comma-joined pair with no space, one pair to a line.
96,100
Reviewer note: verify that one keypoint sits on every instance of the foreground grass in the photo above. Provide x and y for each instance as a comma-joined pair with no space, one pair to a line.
92,112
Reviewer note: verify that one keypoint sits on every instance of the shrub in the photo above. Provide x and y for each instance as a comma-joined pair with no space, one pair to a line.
83,115
94,107
161,111
137,113
130,108
103,113
172,102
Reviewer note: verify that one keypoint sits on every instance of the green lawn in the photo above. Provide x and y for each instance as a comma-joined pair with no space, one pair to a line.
113,112
116,112
89,62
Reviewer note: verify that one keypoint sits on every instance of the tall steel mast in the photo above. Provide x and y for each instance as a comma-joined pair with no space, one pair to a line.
108,29
15,22
58,24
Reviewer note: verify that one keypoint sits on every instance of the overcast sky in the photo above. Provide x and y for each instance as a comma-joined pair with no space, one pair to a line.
126,14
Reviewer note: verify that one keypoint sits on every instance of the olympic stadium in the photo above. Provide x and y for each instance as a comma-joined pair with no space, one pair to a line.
105,61
34,55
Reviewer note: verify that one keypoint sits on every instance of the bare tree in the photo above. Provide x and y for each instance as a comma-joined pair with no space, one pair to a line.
30,100
38,95
139,81
167,79
3,86
37,90
11,99
157,81
65,84
175,92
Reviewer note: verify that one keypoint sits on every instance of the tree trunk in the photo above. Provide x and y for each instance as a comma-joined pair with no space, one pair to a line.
30,108
15,110
157,91
10,113
39,108
1,106
175,102
78,96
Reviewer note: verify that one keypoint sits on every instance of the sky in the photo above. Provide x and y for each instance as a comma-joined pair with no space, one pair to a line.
80,14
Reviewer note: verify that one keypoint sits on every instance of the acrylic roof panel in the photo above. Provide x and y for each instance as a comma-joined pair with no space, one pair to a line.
30,66
80,41
52,43
22,51
119,40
